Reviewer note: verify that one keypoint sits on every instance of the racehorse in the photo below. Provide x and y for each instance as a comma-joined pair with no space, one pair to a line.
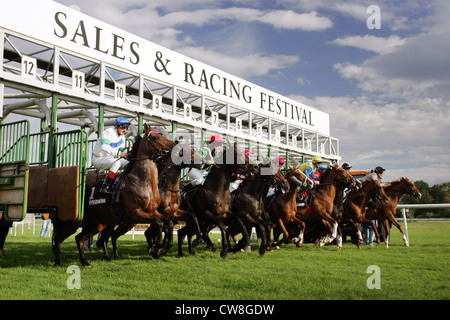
138,199
248,201
355,206
321,202
212,201
169,173
283,208
386,211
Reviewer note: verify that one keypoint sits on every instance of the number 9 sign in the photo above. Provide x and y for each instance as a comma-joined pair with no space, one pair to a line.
187,111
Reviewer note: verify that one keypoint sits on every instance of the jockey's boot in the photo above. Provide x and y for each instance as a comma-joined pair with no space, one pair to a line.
106,187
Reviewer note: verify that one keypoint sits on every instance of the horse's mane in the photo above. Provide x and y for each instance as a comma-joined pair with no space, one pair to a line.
395,182
133,154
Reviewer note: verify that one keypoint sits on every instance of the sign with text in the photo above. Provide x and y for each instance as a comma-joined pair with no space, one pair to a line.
69,29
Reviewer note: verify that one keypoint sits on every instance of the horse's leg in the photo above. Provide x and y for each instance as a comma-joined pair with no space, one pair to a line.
120,231
85,234
143,217
106,234
358,233
266,235
168,233
394,221
323,237
61,231
245,241
182,232
339,238
285,233
208,242
387,232
302,227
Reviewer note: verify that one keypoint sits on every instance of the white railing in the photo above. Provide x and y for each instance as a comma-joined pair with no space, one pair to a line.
405,207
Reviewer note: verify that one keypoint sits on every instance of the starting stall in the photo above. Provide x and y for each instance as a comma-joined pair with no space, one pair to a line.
65,77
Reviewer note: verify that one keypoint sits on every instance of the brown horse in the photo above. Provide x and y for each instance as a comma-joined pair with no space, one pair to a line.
139,197
355,206
248,201
322,202
169,173
212,201
283,208
386,211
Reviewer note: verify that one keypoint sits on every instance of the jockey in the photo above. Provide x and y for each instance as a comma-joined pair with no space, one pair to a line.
239,176
319,172
110,153
376,174
271,191
209,153
280,162
346,166
309,168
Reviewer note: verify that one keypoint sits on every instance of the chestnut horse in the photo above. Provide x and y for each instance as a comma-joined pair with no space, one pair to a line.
212,201
386,211
321,203
139,197
283,208
355,206
169,173
248,201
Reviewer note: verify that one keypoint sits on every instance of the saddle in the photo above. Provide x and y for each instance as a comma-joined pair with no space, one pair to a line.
98,198
188,190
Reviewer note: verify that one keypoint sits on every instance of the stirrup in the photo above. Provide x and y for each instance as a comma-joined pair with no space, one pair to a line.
106,189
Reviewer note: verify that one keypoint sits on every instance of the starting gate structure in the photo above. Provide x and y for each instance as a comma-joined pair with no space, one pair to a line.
65,76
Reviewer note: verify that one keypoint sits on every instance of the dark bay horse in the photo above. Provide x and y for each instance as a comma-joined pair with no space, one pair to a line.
169,173
212,201
386,211
139,196
321,204
283,209
355,206
248,201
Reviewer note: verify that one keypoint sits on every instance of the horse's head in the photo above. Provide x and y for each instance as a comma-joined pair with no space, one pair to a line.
299,178
335,174
234,158
154,144
410,188
184,156
276,178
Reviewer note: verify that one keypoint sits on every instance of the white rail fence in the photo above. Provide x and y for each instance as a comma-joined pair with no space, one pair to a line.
405,207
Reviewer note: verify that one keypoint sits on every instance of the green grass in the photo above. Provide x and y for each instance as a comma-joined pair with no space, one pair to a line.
418,272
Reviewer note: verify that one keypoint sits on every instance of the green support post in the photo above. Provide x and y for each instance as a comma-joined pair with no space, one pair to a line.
174,130
101,117
53,126
140,124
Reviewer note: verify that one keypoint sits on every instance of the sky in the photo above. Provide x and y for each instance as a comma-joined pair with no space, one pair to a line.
380,69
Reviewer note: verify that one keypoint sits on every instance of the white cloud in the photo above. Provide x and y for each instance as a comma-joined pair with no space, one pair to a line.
371,43
282,19
242,66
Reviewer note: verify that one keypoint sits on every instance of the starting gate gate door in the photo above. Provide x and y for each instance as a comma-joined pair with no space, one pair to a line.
14,167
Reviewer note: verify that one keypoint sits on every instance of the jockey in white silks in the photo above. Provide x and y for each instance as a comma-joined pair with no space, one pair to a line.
110,153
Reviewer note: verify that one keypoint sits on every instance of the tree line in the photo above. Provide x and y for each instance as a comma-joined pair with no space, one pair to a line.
438,193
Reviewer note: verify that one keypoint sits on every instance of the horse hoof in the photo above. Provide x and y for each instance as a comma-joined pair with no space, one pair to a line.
195,243
224,255
161,252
